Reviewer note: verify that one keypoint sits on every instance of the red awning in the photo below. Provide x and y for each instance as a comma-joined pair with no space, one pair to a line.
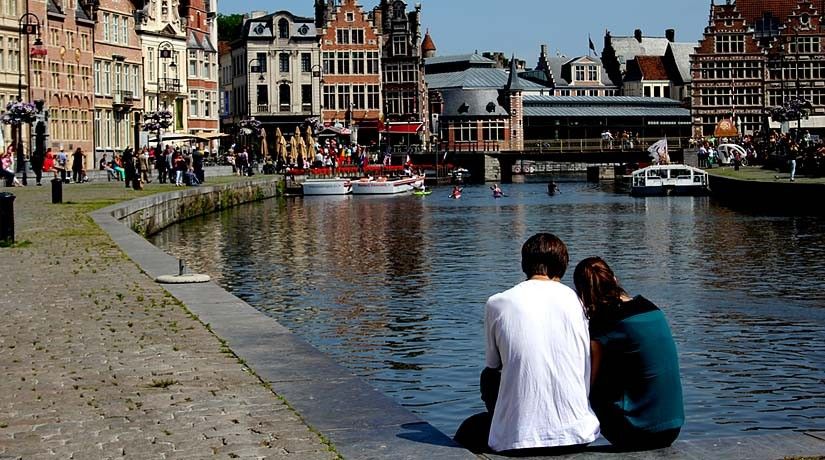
403,128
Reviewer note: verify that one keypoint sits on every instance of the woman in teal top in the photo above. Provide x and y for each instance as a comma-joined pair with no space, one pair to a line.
635,390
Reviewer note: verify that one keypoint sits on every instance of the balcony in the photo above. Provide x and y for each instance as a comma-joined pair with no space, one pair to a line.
169,86
123,99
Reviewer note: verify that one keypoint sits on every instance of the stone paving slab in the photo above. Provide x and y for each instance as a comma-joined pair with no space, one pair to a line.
98,361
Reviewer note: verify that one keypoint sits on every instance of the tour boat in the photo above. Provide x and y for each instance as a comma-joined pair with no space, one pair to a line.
667,180
317,187
386,186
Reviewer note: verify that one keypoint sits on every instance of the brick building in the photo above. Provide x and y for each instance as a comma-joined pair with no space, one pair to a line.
351,60
202,66
63,77
756,55
402,67
118,78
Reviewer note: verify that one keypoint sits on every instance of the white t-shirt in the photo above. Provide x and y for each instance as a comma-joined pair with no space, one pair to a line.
538,334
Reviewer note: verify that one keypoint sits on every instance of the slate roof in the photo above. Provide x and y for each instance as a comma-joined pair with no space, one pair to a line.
681,56
603,106
514,83
472,103
629,47
52,7
608,111
476,78
474,58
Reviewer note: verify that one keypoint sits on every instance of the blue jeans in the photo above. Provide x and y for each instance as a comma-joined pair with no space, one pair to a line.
793,169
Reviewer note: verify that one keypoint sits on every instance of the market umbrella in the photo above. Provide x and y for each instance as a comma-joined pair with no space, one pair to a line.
264,145
310,144
298,146
280,146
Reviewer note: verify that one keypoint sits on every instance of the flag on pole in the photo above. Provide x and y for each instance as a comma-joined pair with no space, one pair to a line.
659,152
590,42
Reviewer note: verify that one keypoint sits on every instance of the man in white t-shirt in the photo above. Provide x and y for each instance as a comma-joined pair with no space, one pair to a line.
537,336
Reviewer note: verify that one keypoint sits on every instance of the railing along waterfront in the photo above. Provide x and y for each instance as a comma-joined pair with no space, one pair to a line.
599,145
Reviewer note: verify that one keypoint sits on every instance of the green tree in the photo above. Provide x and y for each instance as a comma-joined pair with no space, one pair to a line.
229,26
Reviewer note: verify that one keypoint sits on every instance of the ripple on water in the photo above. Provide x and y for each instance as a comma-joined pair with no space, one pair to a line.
394,289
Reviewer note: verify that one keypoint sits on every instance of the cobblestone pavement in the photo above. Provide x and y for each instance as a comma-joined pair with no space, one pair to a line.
98,361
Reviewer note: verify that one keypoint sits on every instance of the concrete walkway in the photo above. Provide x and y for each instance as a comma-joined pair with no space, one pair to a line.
98,361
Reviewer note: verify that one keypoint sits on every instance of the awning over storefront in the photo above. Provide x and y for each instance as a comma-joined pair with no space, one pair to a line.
403,127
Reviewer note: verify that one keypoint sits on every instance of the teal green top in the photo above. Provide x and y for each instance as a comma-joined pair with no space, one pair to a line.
638,385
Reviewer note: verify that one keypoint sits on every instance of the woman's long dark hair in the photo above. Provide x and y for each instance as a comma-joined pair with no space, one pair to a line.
597,287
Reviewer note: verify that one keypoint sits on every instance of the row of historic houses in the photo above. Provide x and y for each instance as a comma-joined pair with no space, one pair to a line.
755,58
353,71
100,66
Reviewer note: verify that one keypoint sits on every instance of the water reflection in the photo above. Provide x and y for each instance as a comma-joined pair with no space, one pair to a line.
394,288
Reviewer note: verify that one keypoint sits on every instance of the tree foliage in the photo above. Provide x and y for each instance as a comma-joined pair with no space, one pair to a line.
229,26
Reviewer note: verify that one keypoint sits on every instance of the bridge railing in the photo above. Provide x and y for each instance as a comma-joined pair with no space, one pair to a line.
599,145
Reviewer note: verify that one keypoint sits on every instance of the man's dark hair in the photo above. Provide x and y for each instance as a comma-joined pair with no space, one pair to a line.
544,254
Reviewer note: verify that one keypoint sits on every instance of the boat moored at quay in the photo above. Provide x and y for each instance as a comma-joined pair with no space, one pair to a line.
386,186
325,187
669,180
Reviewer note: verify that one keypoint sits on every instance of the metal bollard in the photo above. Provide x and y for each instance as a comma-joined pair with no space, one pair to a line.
57,191
7,218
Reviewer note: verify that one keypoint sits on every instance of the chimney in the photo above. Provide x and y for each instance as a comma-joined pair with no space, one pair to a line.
544,50
670,34
638,35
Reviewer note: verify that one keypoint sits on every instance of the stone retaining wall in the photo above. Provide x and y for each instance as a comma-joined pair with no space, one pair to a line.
150,215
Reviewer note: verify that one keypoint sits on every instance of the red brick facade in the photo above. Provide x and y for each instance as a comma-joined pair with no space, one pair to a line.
64,78
350,55
202,66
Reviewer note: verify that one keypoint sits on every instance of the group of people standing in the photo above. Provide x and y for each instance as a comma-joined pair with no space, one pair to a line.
564,366
171,164
44,163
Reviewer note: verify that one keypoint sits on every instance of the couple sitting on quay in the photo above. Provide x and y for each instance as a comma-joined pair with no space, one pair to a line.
564,366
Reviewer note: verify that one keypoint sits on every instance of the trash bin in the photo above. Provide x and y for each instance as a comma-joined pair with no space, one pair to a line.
57,191
7,217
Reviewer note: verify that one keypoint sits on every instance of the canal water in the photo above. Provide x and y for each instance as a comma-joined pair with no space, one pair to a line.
394,289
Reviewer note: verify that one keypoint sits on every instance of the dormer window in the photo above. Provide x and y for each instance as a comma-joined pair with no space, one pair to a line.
593,73
283,28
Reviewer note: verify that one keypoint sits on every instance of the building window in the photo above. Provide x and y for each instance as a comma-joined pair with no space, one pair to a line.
465,132
579,71
285,97
393,73
284,62
726,43
263,95
805,45
306,62
342,36
409,73
372,63
399,45
193,103
283,28
593,73
260,62
306,98
329,63
193,63
359,97
343,97
493,130
350,17
358,62
343,63
329,97
373,97
357,36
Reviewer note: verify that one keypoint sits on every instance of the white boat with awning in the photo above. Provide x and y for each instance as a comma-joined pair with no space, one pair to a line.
667,180
386,186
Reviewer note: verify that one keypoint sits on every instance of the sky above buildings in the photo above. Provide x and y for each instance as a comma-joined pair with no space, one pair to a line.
521,26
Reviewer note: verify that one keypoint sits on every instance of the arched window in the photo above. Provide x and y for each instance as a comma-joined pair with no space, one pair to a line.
285,97
283,28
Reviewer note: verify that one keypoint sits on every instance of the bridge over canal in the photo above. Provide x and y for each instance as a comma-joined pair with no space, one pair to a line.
487,160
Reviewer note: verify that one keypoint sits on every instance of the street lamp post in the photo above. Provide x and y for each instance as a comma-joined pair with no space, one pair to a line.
27,28
165,51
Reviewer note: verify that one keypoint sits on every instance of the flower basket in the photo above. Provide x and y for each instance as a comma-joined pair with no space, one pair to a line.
18,113
155,121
